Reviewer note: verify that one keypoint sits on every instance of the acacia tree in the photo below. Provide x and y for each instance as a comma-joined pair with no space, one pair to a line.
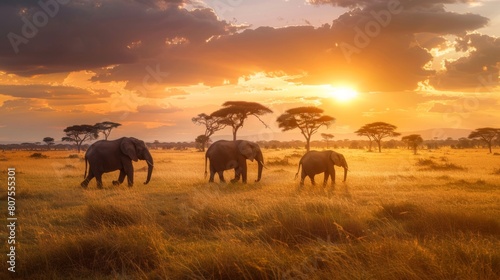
377,131
327,137
234,114
212,124
487,134
413,140
363,131
106,127
307,119
80,134
202,140
49,141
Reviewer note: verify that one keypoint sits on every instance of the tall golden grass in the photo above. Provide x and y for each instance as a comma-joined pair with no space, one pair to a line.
435,215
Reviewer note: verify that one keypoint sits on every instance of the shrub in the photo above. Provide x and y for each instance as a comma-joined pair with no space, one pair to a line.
429,164
38,155
73,156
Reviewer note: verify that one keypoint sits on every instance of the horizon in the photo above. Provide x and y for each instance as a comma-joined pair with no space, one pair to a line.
153,65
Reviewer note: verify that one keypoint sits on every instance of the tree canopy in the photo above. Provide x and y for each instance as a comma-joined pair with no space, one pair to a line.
106,127
212,124
307,119
234,113
487,134
377,131
413,140
327,137
49,141
80,134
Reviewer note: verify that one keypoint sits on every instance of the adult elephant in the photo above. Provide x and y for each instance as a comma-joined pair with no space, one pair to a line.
225,155
106,156
315,162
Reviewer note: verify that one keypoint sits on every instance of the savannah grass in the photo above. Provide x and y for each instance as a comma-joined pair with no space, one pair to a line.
399,216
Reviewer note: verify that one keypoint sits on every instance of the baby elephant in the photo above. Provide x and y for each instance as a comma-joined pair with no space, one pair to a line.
315,162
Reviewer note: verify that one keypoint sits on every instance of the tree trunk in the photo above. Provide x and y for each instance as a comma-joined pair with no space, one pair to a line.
308,144
379,146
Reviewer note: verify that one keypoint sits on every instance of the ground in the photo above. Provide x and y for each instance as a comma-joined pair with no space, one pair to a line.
434,215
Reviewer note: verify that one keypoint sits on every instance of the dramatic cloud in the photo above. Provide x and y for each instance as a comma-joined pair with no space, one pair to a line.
153,44
478,71
87,34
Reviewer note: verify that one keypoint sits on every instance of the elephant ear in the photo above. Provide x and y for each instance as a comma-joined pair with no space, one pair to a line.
128,148
247,150
338,159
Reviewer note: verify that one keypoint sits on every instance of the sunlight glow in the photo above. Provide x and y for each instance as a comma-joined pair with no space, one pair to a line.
344,94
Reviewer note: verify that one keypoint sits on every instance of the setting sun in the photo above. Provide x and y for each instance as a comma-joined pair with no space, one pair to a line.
344,94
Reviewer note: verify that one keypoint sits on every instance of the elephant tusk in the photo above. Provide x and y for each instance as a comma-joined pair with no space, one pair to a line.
149,163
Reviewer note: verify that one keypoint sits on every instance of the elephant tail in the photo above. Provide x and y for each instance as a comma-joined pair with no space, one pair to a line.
297,174
85,174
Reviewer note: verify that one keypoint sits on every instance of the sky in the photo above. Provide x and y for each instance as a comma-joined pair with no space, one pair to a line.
152,65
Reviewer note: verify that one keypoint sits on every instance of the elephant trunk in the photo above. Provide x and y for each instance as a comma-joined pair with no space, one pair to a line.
259,174
260,161
149,160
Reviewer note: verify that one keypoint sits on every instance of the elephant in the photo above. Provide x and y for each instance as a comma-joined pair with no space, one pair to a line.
106,156
225,155
315,162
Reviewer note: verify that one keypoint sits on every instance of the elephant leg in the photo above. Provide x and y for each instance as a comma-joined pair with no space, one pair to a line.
221,176
85,182
312,180
325,179
212,174
244,173
128,169
130,179
302,178
98,178
121,178
237,175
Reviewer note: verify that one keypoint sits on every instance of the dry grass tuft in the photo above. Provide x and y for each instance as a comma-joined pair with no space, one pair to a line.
110,216
293,224
108,252
429,164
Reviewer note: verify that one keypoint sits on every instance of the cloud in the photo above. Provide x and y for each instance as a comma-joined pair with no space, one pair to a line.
156,44
86,34
478,71
155,109
56,95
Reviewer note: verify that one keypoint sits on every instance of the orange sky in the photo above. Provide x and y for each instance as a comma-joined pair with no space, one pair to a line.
153,65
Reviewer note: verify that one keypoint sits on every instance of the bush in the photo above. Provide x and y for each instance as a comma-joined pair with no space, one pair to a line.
73,156
38,155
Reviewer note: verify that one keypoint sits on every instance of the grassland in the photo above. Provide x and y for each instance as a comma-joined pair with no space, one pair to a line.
435,215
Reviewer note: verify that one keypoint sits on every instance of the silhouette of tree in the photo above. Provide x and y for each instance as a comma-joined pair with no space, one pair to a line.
106,127
377,131
80,134
212,124
235,113
364,131
307,119
413,140
327,137
487,134
49,141
202,140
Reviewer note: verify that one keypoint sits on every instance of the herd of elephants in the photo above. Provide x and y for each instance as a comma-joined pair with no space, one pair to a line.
106,156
